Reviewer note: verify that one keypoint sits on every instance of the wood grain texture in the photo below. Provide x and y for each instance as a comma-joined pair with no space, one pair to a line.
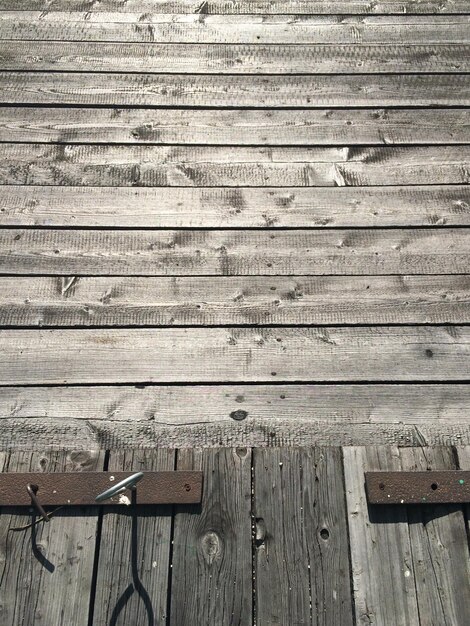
230,7
206,301
403,353
218,166
52,561
301,539
233,58
239,415
244,207
249,29
236,127
463,460
235,252
381,550
404,90
133,566
439,546
212,552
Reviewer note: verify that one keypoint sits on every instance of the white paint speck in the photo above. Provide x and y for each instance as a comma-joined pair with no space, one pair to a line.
124,500
407,573
111,478
154,564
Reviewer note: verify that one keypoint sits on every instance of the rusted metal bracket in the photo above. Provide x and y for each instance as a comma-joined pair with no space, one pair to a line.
83,488
451,486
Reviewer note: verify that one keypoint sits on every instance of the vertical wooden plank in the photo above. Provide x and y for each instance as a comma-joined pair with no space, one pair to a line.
46,571
383,578
439,547
212,549
302,557
132,580
463,455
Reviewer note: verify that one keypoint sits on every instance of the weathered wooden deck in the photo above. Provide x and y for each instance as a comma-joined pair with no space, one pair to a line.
235,236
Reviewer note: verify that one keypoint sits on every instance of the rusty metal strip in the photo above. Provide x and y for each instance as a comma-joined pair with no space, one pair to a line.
418,487
81,488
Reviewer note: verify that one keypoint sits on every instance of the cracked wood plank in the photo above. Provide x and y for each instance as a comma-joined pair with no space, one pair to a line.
236,127
125,417
301,541
439,546
269,207
233,58
388,90
248,29
229,166
51,561
234,7
133,566
205,301
234,355
234,252
212,551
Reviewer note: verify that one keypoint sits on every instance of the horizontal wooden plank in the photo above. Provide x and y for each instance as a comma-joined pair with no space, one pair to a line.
72,301
401,353
202,28
270,207
236,127
232,59
234,252
238,415
77,88
200,166
245,6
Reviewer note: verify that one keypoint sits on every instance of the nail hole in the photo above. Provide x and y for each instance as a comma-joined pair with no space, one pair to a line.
434,486
324,533
381,486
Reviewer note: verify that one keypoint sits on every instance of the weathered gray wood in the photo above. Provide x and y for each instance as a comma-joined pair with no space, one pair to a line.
236,127
269,207
439,547
301,538
255,415
201,28
212,552
205,301
133,567
234,252
46,571
381,552
50,88
234,355
244,6
233,59
463,458
54,434
194,166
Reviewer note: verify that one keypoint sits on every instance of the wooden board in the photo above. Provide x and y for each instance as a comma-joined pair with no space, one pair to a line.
243,207
133,573
245,6
206,301
381,551
234,58
60,88
234,252
301,539
202,28
236,127
51,561
201,166
439,546
127,417
402,353
212,554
